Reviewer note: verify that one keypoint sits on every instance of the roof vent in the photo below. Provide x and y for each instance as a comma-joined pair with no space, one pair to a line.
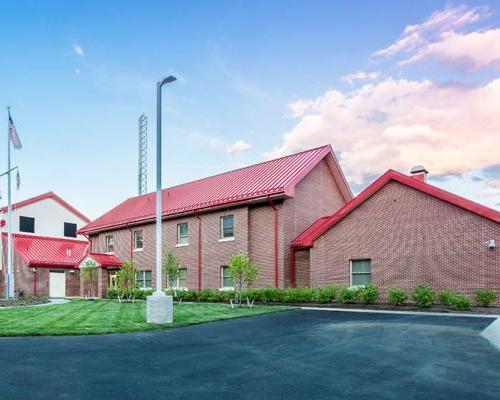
419,172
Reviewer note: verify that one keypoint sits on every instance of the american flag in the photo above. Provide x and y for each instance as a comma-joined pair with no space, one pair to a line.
13,134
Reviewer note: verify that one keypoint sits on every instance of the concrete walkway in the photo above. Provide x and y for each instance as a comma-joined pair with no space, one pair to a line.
51,302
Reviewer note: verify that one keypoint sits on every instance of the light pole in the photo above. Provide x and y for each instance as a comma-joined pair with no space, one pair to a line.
159,306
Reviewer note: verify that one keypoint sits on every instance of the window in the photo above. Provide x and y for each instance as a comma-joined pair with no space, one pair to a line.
69,229
113,280
138,240
226,280
143,279
361,272
181,281
227,227
109,243
27,224
182,234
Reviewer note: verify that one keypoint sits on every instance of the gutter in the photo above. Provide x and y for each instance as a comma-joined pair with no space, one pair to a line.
275,241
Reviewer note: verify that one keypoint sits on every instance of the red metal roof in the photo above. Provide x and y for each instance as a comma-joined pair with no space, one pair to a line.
106,260
270,178
306,239
48,195
47,251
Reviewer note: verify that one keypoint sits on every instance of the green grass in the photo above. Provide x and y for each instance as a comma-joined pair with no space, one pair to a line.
80,317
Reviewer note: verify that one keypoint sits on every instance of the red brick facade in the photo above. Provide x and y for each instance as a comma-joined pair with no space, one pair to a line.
410,238
315,195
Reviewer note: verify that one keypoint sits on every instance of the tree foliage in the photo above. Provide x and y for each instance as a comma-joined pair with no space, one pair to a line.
126,281
244,272
88,272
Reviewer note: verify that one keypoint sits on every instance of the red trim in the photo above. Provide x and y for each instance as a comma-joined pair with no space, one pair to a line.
48,195
306,239
131,244
199,251
276,270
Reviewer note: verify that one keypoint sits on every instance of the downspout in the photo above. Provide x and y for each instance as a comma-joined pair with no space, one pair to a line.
275,240
292,267
199,250
90,243
35,281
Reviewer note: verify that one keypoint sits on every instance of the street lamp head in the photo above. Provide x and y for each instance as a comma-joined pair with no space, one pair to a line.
168,79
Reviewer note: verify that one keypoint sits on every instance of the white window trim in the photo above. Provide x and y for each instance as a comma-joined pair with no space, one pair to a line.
228,239
350,272
106,244
136,249
179,235
221,228
143,272
221,283
182,244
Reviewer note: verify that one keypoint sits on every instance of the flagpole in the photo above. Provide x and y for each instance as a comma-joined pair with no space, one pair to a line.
9,292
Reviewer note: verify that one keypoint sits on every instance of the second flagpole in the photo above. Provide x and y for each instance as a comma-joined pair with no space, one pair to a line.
9,292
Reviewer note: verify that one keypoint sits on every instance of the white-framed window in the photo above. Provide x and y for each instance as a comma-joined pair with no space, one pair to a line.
138,240
143,279
181,281
361,272
226,279
108,242
113,280
182,234
227,227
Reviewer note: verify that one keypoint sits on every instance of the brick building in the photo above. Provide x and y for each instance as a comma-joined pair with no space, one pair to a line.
46,246
401,231
259,209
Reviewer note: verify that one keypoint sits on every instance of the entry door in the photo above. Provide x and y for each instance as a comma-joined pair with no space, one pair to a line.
57,284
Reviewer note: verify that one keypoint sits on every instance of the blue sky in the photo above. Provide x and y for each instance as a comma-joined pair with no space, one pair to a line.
271,77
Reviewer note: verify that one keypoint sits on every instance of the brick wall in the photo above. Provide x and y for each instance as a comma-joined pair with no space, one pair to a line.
316,195
302,268
411,238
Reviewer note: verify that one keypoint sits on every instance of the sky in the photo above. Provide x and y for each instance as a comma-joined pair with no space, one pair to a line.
389,84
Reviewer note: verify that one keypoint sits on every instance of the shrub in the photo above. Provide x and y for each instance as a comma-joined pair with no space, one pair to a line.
348,295
423,296
459,302
327,294
369,293
445,296
397,297
485,297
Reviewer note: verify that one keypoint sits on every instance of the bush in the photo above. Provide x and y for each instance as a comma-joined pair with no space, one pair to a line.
370,293
327,294
348,295
423,296
486,297
397,297
459,302
445,296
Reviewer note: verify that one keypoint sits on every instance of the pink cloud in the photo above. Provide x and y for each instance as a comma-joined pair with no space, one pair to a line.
401,123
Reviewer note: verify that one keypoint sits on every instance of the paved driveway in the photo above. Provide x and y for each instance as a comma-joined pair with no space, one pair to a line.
290,355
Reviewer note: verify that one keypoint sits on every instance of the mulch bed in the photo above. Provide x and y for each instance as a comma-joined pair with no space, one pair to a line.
28,301
494,310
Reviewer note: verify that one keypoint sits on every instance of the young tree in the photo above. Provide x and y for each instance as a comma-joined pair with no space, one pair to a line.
88,272
126,281
244,273
171,268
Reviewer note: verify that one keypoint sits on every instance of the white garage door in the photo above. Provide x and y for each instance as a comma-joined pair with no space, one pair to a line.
57,284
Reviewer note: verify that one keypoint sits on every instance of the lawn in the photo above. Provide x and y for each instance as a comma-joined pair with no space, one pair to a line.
80,317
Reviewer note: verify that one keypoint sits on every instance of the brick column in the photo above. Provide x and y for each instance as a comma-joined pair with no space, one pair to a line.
102,284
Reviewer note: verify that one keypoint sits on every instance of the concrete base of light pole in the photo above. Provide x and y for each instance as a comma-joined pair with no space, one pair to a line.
160,309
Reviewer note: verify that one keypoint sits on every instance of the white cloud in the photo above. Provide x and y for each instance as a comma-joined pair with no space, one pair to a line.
442,37
400,123
360,76
77,49
77,71
237,147
492,189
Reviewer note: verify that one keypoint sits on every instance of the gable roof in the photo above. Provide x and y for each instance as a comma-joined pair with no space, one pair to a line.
306,239
48,195
105,260
276,177
38,251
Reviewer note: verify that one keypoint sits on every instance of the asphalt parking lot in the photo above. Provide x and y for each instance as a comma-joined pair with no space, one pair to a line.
290,355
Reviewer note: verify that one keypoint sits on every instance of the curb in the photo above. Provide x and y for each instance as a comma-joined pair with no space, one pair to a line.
428,313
